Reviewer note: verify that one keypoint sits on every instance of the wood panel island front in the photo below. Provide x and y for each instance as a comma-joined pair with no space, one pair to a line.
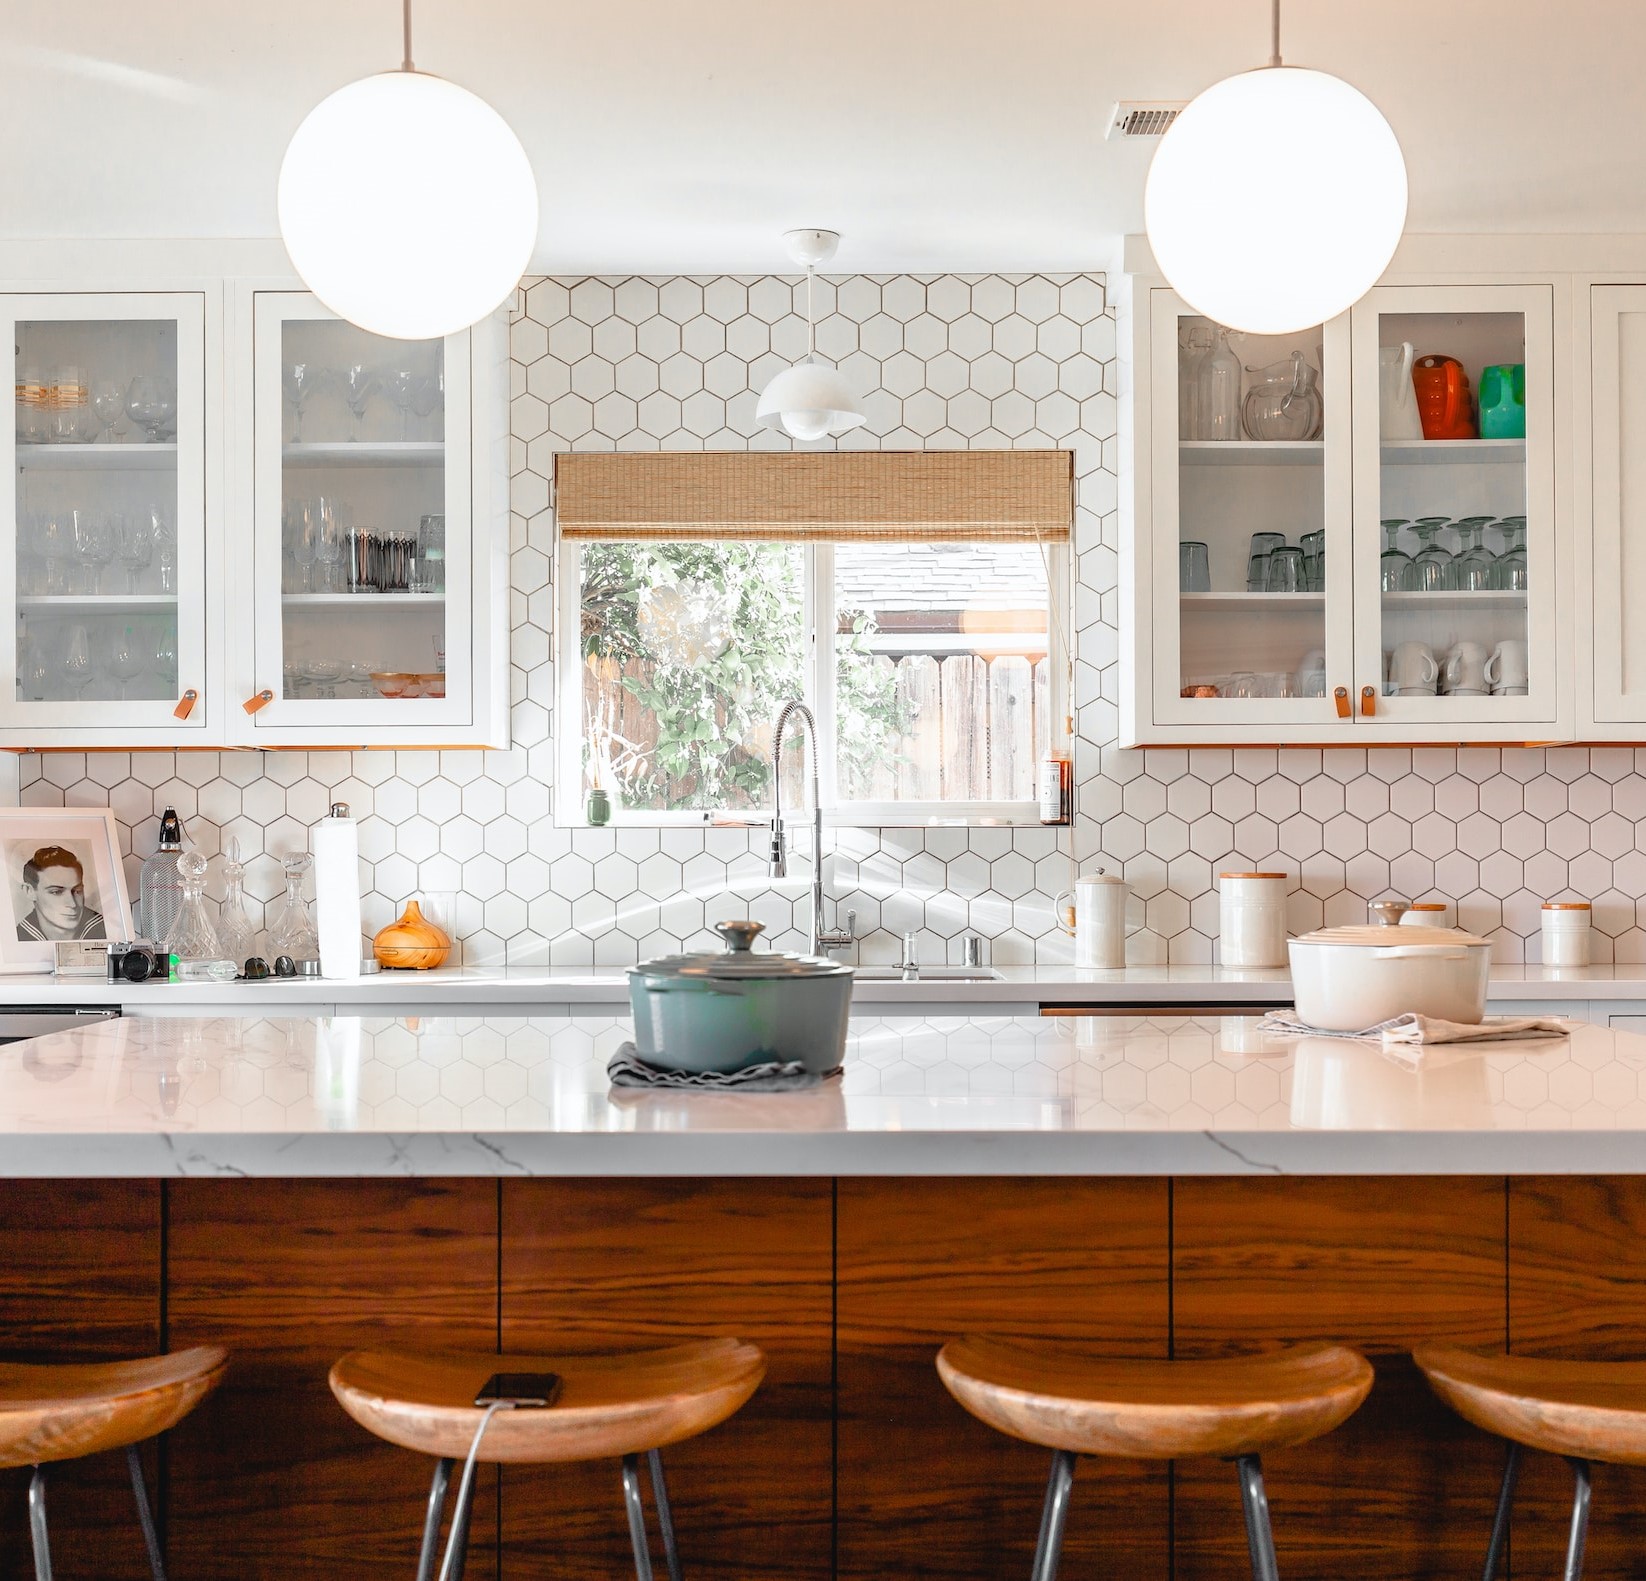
294,1189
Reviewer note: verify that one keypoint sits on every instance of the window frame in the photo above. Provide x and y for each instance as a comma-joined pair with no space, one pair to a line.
817,600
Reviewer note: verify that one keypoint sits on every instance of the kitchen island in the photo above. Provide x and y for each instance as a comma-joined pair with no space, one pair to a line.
1151,1188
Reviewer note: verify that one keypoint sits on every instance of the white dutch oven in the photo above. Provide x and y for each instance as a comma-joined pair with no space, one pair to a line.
1347,979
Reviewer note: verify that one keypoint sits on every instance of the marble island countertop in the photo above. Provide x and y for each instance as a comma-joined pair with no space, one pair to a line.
534,989
920,1095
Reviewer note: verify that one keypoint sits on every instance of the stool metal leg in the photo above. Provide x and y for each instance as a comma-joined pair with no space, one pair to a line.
637,1518
459,1538
431,1522
665,1516
1254,1500
1500,1522
37,1525
140,1492
1053,1516
1580,1519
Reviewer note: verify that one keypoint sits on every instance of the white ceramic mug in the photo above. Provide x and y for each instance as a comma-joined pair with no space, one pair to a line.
1465,672
1507,666
1101,925
1413,665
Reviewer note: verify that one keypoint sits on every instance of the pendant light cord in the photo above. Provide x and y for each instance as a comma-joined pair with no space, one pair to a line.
405,24
811,332
1274,32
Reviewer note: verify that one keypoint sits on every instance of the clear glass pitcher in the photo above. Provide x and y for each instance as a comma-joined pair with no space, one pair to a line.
1284,401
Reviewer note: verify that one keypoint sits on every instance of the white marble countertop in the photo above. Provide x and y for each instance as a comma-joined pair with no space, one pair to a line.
1093,1095
483,988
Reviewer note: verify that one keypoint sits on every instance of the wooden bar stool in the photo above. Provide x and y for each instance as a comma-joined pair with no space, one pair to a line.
1581,1410
618,1405
1155,1410
51,1413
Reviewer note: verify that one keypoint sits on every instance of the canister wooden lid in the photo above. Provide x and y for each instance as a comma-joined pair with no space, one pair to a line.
1251,875
1427,905
1566,905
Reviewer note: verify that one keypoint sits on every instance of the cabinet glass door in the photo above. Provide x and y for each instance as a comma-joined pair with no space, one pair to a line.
362,563
106,575
1454,505
1250,564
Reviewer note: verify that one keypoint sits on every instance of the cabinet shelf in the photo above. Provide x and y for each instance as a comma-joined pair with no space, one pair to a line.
1453,452
1252,452
134,457
367,453
99,603
1288,603
335,601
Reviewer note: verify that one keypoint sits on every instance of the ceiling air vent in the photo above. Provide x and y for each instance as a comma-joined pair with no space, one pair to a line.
1143,117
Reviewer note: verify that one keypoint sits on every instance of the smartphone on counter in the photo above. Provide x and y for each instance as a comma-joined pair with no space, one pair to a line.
521,1389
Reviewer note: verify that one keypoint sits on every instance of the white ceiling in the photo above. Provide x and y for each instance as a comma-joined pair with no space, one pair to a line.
685,134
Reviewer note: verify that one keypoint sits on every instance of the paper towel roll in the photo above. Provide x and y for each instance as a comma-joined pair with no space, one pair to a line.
336,845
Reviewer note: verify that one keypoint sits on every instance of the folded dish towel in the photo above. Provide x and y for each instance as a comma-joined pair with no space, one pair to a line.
1413,1028
626,1069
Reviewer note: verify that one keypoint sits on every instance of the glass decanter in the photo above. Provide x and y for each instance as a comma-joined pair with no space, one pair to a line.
235,930
292,931
193,936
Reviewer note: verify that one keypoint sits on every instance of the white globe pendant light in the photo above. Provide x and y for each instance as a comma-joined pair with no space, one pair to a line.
407,204
811,400
1276,198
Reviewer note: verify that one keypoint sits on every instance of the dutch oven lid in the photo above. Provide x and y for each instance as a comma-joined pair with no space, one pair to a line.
740,959
1370,936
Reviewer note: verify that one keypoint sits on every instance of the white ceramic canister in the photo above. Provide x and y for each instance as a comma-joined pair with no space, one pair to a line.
1252,918
1566,932
1429,914
1100,902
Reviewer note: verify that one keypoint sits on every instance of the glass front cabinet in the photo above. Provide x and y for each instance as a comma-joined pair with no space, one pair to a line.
1347,534
377,575
107,579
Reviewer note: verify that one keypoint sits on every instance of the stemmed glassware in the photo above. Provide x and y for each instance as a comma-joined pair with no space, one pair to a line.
78,669
1511,565
404,386
108,402
165,653
1396,571
135,546
151,402
1476,565
300,379
127,660
94,542
1434,563
359,384
56,545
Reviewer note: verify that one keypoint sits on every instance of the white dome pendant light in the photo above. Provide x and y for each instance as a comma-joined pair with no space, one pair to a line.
1276,198
811,400
407,204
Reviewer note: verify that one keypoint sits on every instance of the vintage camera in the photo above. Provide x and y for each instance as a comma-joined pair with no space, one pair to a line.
137,961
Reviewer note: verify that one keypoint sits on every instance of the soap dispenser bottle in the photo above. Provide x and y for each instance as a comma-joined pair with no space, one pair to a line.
336,846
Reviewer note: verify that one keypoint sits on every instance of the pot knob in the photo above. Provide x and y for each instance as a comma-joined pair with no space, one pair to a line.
739,936
1388,912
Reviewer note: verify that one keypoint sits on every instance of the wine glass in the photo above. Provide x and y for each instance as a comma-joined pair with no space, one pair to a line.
404,387
56,546
33,667
127,660
1511,563
1434,563
165,653
78,669
330,542
135,545
1476,566
108,401
359,384
305,542
1396,570
151,402
164,534
300,379
94,542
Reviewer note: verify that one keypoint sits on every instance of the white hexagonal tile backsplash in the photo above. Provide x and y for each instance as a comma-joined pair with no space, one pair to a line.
950,361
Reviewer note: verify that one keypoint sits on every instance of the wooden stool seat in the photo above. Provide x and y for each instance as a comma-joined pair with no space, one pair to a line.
1155,1410
50,1413
609,1405
1593,1410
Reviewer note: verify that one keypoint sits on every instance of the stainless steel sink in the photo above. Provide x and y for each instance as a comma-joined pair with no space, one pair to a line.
928,974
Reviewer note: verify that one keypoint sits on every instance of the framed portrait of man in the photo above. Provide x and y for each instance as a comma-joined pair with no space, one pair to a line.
63,881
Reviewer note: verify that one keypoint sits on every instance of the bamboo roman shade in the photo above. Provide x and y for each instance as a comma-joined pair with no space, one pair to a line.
817,496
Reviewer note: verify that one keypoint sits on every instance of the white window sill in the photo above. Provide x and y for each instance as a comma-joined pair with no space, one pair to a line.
853,815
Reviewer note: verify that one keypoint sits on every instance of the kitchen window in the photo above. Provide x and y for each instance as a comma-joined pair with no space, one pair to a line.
914,599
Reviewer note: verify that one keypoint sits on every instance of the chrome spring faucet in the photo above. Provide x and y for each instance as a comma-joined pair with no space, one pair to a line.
822,939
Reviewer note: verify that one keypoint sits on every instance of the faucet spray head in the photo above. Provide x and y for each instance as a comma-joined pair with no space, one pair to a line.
777,865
